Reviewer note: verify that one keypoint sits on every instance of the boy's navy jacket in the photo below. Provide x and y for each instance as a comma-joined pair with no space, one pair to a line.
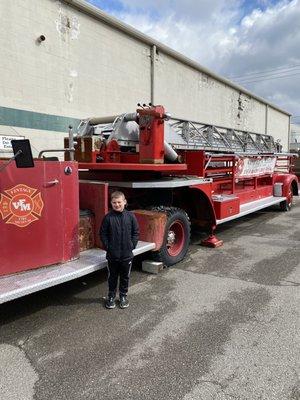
119,234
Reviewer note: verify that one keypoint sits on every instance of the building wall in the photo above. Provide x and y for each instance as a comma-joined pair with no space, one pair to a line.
279,127
196,96
87,67
38,140
295,137
83,67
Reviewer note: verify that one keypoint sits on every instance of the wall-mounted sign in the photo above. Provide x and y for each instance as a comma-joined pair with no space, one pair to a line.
5,141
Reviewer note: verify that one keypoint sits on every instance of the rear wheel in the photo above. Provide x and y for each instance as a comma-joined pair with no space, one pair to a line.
287,204
176,238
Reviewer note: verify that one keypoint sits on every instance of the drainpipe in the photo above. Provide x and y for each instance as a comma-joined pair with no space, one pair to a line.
266,120
289,133
152,89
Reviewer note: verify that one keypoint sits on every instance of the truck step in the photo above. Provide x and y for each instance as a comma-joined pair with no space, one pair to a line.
253,206
18,285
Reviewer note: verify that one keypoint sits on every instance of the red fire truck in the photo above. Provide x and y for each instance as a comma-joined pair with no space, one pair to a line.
174,173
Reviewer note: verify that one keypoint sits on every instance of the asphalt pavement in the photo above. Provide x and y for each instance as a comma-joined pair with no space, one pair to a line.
222,325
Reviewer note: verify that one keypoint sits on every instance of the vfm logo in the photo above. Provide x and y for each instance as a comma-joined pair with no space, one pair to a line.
22,205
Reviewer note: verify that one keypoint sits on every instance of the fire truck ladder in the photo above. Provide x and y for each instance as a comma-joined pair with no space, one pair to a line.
214,138
223,146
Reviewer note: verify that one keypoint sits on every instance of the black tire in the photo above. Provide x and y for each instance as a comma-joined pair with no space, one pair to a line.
287,204
176,238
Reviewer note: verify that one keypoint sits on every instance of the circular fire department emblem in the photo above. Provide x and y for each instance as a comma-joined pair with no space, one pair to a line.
21,205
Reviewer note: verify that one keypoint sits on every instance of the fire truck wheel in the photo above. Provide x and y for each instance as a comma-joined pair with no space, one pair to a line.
176,238
287,204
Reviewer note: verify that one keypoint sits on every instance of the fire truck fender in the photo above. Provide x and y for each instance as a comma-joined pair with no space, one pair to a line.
289,183
199,206
289,189
176,236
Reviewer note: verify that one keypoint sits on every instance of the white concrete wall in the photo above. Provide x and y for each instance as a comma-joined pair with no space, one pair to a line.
295,132
86,67
295,137
38,140
196,96
83,67
278,127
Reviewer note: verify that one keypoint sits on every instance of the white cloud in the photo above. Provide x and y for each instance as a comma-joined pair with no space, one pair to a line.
191,27
226,38
267,41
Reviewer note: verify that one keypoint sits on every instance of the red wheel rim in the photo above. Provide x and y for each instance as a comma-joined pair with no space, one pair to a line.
175,238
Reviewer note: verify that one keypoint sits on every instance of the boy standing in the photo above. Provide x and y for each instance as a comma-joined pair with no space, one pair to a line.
119,234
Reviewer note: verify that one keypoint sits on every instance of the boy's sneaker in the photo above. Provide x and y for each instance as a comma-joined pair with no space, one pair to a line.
124,303
110,302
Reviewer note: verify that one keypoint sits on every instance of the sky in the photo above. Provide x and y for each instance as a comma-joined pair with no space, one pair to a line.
254,43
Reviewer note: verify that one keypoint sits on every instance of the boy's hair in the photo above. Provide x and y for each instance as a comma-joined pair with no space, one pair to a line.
117,194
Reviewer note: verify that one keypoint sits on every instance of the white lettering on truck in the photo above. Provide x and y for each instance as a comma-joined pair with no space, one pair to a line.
21,204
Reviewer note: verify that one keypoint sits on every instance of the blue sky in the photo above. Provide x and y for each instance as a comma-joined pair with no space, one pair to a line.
249,6
109,6
255,43
119,5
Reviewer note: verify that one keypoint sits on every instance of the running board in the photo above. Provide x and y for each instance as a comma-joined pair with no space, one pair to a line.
21,284
253,206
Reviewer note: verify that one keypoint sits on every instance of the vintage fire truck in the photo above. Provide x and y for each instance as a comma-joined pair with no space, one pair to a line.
174,173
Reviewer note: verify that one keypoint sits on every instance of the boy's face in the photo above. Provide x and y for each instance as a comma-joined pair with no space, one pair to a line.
118,203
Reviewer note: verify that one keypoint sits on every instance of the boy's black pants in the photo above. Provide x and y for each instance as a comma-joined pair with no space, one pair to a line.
118,269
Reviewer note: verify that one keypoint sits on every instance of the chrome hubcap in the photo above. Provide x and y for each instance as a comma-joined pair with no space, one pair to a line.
171,238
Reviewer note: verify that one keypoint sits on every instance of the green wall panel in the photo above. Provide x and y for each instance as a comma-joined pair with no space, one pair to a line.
34,120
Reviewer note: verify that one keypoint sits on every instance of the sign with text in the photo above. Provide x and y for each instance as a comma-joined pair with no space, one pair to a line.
5,141
248,166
